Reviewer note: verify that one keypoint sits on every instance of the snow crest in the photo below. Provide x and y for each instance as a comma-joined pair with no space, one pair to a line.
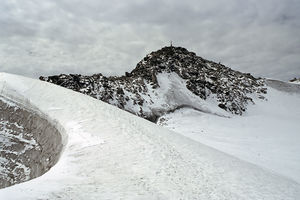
112,154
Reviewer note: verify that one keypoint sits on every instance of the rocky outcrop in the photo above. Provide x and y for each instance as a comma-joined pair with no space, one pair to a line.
136,91
295,80
29,144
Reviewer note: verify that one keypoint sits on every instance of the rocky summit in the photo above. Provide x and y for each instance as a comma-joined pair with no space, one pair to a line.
169,79
295,80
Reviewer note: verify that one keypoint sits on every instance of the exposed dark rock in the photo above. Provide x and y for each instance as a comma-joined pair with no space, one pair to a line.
295,80
29,144
204,78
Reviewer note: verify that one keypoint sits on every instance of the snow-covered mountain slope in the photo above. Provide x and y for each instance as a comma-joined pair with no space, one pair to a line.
268,134
166,80
112,154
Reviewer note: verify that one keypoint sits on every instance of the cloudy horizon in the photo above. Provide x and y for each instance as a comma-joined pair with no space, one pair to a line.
110,36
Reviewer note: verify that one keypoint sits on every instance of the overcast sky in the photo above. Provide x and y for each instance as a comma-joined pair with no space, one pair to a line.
45,37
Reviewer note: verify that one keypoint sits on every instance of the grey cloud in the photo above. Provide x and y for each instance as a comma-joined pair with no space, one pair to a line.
111,36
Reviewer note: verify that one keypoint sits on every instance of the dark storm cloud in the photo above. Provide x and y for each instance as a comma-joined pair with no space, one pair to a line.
111,36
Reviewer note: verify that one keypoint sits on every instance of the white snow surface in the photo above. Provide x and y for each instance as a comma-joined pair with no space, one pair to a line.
112,154
267,135
173,93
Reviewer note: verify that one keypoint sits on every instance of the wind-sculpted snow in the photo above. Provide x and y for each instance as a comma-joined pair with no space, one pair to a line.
112,154
195,78
29,144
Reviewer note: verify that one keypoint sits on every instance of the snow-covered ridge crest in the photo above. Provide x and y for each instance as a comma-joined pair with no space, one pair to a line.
143,91
16,96
30,143
112,154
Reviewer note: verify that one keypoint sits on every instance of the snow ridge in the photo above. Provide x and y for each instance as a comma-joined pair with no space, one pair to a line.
112,154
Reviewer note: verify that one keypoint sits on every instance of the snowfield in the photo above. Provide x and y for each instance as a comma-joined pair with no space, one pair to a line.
267,135
111,154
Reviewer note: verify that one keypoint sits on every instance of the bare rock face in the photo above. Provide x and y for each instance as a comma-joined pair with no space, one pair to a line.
295,80
135,92
29,144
